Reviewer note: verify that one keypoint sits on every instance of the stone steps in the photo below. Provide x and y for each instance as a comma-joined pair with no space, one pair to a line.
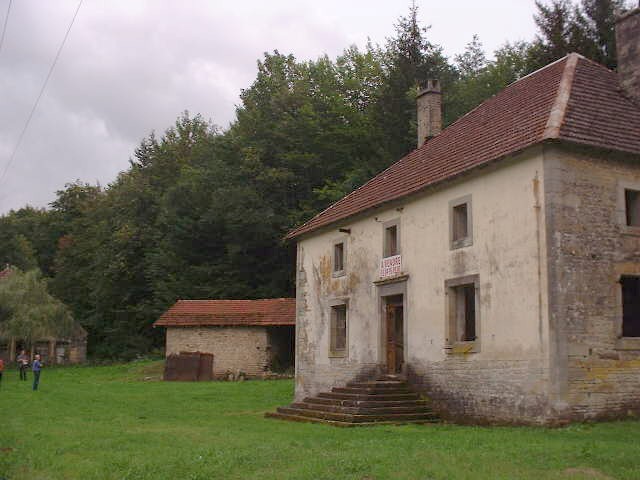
374,410
356,417
369,396
371,390
295,418
386,401
365,403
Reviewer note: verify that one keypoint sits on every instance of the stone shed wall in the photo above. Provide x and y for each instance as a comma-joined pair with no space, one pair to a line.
233,348
597,372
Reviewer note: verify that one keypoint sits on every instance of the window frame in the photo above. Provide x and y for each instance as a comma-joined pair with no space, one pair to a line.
622,342
455,243
385,244
623,187
341,272
334,305
451,317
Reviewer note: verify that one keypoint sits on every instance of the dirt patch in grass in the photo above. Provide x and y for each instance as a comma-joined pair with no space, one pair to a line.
587,473
152,372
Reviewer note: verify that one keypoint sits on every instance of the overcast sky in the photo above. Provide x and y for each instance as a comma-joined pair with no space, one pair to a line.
131,66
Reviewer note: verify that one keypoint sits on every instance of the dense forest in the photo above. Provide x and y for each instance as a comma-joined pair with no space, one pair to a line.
201,212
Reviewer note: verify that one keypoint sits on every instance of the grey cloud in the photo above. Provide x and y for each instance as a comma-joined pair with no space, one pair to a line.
130,67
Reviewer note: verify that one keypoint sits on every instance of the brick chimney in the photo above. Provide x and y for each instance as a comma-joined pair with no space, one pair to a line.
429,111
628,51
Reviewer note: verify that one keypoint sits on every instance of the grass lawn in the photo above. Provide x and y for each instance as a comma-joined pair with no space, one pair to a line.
109,423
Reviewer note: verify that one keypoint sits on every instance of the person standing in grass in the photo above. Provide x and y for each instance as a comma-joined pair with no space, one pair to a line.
23,364
36,367
1,369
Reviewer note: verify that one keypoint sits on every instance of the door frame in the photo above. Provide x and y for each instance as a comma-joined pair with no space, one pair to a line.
384,291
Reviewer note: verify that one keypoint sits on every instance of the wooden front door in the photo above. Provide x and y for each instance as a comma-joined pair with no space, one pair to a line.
395,338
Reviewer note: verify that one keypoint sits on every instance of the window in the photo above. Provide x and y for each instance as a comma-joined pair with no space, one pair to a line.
464,305
632,207
460,222
338,258
630,306
462,314
338,341
391,239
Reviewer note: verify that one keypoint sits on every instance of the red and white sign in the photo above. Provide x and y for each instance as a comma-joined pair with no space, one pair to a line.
391,266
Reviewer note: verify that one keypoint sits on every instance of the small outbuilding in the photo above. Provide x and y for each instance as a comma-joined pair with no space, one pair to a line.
250,337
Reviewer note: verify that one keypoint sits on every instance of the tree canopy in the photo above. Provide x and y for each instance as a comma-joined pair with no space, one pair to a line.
28,311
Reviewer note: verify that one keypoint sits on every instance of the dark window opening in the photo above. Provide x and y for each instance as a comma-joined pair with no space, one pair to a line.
465,312
460,222
391,241
338,257
632,207
630,306
339,328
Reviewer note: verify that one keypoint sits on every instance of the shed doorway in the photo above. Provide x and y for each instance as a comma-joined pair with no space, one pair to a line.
394,333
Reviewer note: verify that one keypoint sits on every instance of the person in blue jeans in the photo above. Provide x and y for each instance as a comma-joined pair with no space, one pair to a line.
36,367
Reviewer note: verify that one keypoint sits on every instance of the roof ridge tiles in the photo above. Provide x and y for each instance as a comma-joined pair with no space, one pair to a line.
559,107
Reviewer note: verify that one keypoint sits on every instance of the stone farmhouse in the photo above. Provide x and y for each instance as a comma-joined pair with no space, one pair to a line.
59,351
496,268
249,337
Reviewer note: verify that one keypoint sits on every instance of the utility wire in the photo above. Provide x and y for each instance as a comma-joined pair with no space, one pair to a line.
4,27
44,85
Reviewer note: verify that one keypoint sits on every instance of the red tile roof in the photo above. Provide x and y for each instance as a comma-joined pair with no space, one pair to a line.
573,100
192,313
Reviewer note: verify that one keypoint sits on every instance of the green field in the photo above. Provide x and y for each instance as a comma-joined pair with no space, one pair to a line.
118,422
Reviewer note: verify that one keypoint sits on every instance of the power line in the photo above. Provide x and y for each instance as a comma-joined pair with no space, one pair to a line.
44,85
4,27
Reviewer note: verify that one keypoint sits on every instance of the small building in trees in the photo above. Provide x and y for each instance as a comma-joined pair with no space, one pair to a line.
68,350
254,338
496,268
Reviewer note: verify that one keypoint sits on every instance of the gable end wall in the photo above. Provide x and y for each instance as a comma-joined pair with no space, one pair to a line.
592,376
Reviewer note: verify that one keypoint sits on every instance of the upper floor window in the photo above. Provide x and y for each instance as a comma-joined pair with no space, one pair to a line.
391,238
460,224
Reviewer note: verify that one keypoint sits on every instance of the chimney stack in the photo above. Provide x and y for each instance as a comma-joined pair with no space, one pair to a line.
628,52
429,111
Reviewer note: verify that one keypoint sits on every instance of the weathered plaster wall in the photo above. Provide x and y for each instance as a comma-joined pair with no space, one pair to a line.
507,380
598,374
233,348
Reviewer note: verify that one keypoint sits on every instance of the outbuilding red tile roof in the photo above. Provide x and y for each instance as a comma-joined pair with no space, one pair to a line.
192,313
572,100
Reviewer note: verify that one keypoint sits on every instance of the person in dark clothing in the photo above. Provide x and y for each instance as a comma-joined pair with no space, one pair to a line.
1,369
23,364
36,367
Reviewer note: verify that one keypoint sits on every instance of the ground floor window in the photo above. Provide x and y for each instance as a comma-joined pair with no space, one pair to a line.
464,305
630,306
338,341
462,314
